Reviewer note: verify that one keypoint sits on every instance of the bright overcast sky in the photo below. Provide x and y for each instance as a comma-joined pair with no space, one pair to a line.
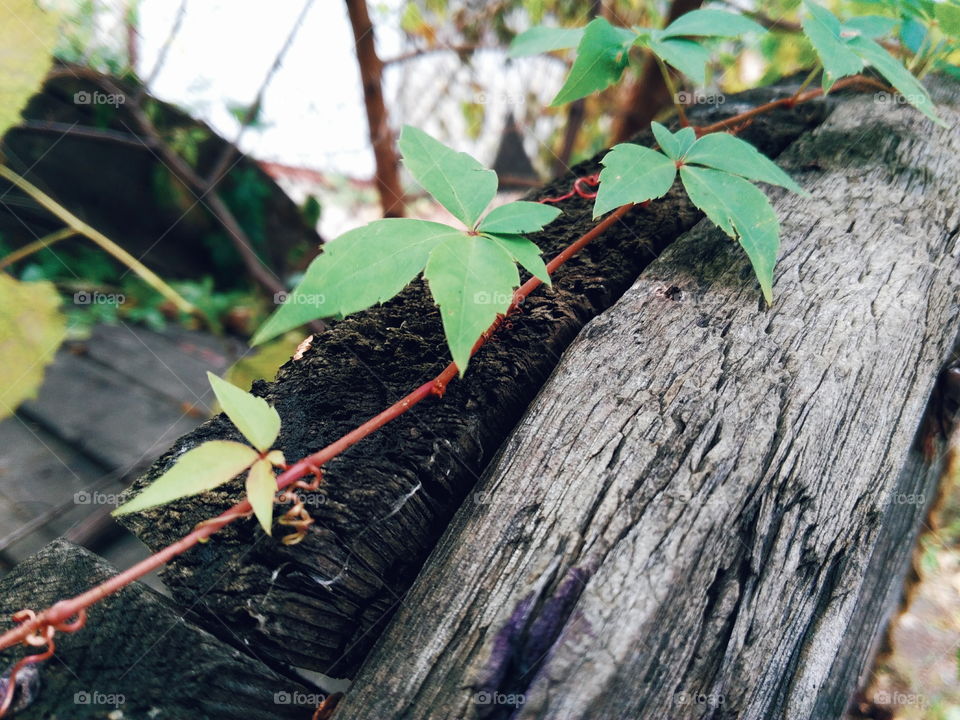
314,106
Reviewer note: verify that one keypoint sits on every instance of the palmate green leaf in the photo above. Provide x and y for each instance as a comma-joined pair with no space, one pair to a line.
518,217
525,252
602,54
632,174
27,37
261,486
253,417
896,74
472,280
711,23
733,155
202,468
823,30
687,56
359,269
457,181
742,211
540,39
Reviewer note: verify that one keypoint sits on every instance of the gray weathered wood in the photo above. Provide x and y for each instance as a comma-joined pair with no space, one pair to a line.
137,655
706,512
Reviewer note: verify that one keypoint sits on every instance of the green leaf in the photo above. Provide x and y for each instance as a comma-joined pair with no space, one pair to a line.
361,268
254,418
518,217
525,252
897,75
871,26
687,56
947,15
711,23
27,37
823,30
472,280
632,174
261,487
742,211
686,137
457,181
668,143
202,468
601,57
539,40
722,151
31,330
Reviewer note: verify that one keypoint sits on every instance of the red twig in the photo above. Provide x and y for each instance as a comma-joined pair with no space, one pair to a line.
66,609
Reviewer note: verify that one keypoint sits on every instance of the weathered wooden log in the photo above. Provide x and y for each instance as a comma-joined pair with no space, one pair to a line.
320,604
707,511
137,658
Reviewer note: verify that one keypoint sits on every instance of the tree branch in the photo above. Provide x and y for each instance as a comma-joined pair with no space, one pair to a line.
387,177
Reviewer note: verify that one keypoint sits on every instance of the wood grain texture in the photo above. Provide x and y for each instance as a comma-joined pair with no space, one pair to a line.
706,512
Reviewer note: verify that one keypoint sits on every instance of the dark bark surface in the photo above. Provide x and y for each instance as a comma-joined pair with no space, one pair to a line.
709,509
136,655
320,604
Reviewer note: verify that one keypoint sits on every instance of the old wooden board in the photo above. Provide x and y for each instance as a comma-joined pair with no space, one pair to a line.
137,655
707,510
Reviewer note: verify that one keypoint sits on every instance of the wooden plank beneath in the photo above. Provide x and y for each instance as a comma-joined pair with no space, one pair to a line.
117,424
137,654
707,511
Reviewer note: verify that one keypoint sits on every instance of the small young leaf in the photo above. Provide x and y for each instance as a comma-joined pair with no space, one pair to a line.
632,174
871,26
667,141
823,30
518,217
742,211
711,23
687,56
686,137
361,268
540,39
525,252
733,155
261,487
202,468
601,57
457,181
254,418
897,75
472,280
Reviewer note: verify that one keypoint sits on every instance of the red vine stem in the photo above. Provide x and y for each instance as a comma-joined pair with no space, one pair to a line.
66,609
59,615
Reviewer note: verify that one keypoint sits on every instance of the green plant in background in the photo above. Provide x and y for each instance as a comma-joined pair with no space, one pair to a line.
603,50
847,48
215,462
471,271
